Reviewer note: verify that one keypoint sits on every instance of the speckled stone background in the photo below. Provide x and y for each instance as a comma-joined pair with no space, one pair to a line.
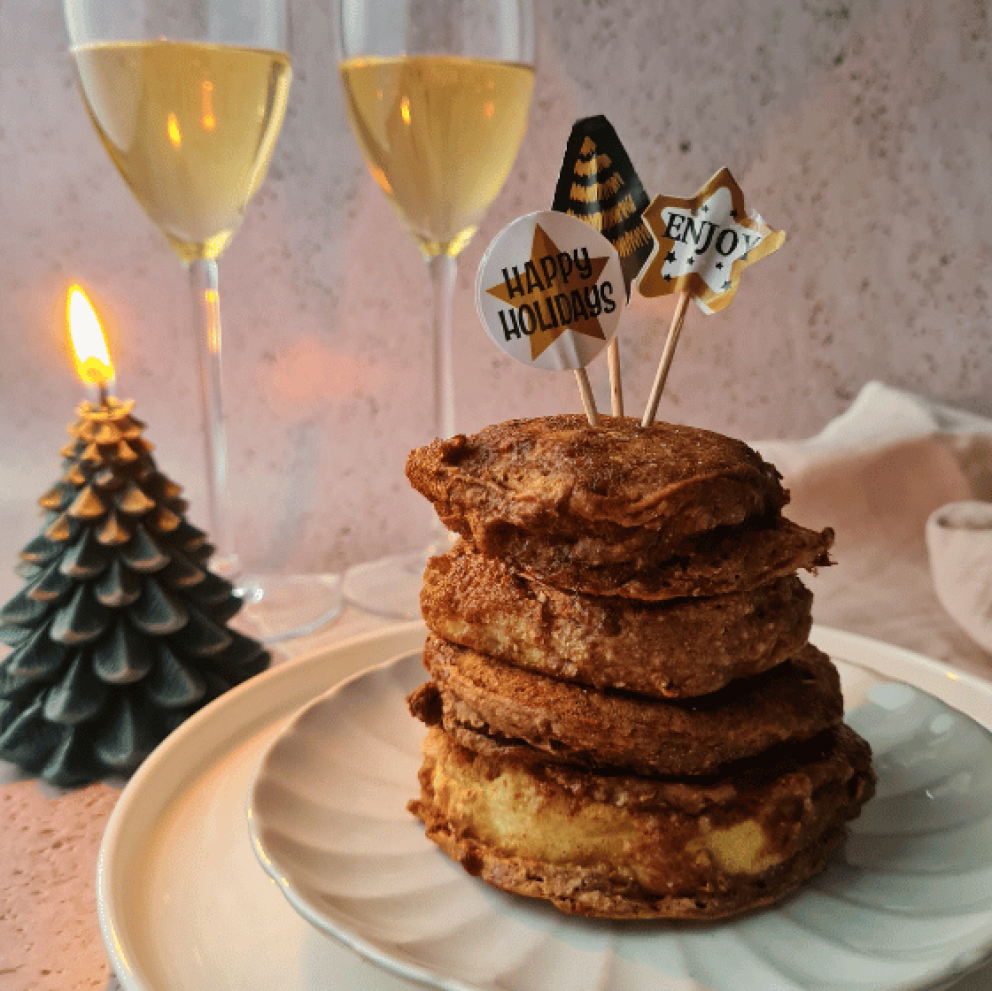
864,129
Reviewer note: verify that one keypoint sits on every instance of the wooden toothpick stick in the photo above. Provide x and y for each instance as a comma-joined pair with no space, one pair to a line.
588,400
616,386
678,318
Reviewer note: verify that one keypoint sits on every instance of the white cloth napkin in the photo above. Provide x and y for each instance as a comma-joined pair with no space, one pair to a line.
877,474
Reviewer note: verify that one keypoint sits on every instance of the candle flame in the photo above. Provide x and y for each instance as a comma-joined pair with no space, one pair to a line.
93,364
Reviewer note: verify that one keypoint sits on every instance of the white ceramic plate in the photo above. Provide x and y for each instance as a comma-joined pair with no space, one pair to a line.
908,904
183,904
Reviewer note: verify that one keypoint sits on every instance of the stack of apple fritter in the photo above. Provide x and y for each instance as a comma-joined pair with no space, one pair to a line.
625,715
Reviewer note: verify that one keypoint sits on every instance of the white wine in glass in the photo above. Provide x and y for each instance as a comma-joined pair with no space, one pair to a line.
188,97
190,126
440,134
438,95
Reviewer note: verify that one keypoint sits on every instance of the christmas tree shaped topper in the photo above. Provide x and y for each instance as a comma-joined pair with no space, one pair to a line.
704,243
121,631
599,185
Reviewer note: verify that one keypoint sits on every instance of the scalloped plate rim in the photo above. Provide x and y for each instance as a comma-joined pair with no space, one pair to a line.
295,891
883,659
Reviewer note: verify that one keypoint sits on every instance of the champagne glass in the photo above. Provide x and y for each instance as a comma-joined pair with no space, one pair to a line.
438,94
187,97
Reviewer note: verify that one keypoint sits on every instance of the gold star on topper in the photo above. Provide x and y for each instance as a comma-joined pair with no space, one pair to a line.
705,243
556,300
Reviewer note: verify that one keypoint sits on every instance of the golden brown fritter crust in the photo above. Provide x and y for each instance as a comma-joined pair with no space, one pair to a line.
674,849
727,559
667,649
497,709
612,492
600,891
626,721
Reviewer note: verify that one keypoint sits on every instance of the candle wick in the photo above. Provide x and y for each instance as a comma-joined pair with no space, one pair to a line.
102,390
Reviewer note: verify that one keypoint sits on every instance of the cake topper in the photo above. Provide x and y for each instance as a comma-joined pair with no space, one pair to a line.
547,289
599,185
549,292
704,243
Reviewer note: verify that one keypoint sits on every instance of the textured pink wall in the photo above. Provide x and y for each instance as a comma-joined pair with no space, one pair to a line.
860,128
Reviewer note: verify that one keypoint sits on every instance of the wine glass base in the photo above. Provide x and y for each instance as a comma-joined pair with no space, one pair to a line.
390,586
281,607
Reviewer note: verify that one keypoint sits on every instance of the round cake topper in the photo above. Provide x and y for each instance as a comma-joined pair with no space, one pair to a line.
550,291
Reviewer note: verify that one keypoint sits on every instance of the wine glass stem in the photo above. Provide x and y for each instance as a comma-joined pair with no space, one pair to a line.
206,302
443,268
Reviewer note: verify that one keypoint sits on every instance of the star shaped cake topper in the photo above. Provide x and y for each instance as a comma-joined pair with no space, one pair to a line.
705,243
